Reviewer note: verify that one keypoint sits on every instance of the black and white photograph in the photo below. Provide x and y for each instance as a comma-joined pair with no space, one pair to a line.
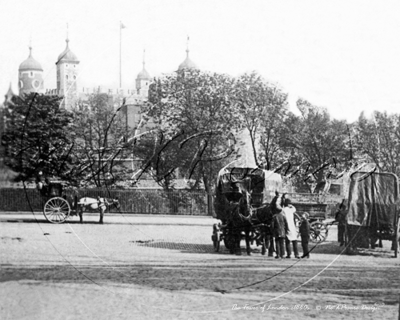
199,159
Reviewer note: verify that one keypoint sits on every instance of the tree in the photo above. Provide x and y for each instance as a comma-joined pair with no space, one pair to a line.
260,108
378,139
39,136
318,144
275,141
100,145
195,119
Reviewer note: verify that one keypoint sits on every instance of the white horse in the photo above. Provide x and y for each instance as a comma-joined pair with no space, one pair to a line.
93,205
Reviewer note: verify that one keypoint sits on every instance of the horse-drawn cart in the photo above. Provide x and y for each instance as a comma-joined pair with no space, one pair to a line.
241,203
373,210
59,205
56,208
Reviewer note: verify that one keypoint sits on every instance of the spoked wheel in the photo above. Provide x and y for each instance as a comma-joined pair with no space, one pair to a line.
318,231
56,210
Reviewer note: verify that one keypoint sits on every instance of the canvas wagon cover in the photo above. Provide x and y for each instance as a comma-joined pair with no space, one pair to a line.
231,182
373,199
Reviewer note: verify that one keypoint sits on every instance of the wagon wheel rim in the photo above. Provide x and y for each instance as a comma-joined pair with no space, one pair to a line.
56,210
319,232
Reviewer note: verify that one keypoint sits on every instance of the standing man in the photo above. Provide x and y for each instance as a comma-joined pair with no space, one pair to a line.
291,235
305,234
276,207
279,228
102,204
341,218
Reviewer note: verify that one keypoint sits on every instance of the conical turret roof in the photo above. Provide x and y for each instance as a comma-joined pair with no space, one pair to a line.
187,64
30,63
67,55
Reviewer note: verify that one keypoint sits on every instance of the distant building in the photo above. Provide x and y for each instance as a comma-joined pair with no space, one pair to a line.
187,63
30,76
132,101
67,77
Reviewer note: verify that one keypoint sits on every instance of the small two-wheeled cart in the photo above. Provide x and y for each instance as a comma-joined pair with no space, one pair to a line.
57,208
241,203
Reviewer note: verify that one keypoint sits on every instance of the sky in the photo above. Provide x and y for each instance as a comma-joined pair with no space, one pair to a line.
342,55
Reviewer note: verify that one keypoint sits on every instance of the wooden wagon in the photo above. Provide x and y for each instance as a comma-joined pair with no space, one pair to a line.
241,203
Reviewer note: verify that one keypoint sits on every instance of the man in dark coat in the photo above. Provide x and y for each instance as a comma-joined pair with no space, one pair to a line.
276,203
305,234
279,228
341,218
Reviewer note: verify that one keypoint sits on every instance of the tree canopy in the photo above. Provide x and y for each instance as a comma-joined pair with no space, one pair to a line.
196,119
39,136
100,144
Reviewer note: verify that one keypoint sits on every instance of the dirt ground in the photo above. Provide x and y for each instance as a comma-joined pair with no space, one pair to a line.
157,267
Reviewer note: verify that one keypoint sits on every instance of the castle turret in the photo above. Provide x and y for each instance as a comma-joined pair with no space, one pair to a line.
30,76
143,82
67,76
187,64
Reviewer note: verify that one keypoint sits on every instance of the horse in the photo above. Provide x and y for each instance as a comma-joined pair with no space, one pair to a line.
241,220
244,218
93,205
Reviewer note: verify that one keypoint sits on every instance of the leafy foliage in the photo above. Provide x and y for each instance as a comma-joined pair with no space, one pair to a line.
39,136
195,116
378,139
260,108
100,145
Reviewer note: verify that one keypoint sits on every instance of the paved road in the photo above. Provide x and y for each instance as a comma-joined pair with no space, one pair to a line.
164,267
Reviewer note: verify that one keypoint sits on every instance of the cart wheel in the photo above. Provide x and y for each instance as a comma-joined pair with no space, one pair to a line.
56,210
318,231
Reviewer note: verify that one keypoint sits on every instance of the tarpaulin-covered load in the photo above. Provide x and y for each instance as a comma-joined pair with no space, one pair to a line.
373,199
232,183
373,204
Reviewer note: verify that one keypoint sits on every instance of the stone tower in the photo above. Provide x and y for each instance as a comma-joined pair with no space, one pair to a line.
30,76
67,76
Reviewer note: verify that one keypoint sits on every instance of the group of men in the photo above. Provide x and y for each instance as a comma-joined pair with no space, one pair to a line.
284,230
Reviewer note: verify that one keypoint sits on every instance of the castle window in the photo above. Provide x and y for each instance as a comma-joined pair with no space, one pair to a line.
31,74
66,77
74,77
